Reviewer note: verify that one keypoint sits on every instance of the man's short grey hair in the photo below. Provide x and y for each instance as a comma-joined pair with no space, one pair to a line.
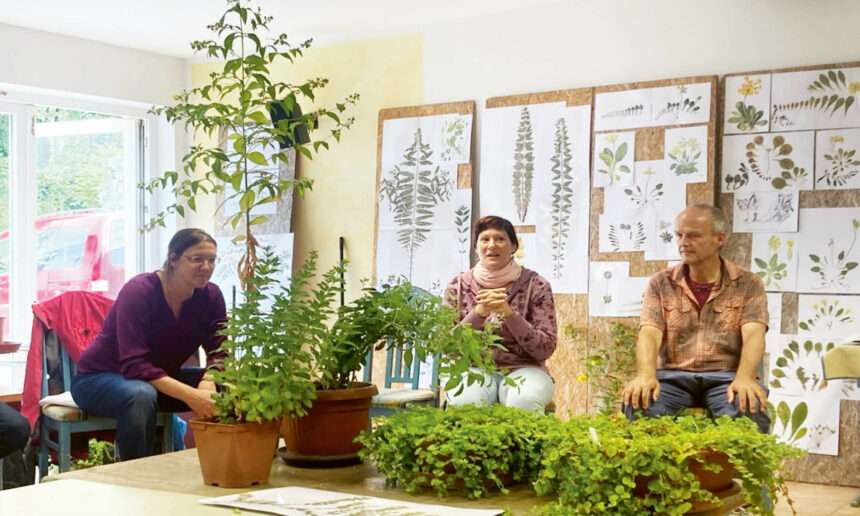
718,219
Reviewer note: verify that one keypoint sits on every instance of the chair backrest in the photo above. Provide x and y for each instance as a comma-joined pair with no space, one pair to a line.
51,346
396,368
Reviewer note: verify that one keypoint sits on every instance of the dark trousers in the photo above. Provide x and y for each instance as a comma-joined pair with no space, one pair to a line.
133,403
681,390
14,430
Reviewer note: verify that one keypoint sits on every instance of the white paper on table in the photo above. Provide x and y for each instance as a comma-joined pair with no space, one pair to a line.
301,501
837,163
613,159
772,338
753,91
768,161
226,275
830,251
774,259
766,211
531,127
686,153
612,292
792,106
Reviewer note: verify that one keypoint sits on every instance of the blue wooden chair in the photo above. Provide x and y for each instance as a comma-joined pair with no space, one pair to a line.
65,421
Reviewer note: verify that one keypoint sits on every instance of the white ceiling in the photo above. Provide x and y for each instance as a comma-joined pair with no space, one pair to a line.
168,26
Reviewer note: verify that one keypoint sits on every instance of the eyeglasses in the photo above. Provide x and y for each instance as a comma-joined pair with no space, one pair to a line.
200,260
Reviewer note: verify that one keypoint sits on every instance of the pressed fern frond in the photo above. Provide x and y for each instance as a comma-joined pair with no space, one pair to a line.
524,165
562,195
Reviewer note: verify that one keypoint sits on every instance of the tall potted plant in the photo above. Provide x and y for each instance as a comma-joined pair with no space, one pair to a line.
260,383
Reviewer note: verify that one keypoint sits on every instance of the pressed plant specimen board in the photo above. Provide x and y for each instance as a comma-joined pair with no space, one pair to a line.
789,180
424,193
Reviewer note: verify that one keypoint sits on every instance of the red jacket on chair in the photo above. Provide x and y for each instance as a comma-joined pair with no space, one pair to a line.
77,318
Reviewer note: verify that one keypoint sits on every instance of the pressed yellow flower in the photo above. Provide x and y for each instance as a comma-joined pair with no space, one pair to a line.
853,87
649,172
837,139
611,138
582,378
773,242
682,89
686,144
749,87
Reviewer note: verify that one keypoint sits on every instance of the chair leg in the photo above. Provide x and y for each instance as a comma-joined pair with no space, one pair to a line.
64,453
167,436
44,451
1,473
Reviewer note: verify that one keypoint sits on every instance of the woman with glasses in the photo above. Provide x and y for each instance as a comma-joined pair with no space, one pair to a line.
133,368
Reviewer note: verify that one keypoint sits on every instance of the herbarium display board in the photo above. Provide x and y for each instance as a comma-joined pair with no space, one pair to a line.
789,179
424,193
535,173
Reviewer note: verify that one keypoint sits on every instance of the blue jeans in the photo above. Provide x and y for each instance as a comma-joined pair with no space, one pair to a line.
680,390
133,403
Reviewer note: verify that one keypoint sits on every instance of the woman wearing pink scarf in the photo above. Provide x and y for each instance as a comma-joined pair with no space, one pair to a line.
520,300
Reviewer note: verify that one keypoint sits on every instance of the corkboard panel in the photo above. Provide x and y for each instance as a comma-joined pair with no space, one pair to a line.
843,469
575,97
464,170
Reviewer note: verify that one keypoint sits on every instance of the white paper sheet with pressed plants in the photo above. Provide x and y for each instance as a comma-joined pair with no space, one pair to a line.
815,99
747,104
773,337
516,150
528,253
809,421
768,161
612,292
563,199
768,211
686,151
834,316
226,274
421,213
651,107
837,164
613,159
774,260
829,251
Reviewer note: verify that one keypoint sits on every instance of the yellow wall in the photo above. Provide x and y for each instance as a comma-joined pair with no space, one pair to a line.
386,72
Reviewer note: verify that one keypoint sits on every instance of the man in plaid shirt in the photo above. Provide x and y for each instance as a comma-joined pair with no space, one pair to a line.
701,330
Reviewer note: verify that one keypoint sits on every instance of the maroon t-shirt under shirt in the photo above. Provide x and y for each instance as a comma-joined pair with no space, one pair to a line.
701,291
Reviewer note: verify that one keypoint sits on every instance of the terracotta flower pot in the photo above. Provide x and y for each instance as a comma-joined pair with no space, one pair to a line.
713,482
235,455
332,423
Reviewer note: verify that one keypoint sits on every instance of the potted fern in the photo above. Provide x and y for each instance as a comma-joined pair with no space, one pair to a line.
264,376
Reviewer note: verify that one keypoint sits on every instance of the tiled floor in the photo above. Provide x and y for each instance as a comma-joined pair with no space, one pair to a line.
818,500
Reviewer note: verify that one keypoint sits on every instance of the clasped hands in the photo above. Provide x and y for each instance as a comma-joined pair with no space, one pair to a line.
493,300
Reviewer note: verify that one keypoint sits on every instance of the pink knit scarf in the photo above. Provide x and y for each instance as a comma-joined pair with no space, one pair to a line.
495,279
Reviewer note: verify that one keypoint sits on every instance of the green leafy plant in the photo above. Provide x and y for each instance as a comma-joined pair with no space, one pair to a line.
748,117
99,453
832,268
612,157
685,155
562,196
238,100
608,365
788,424
774,270
470,449
414,190
842,164
524,165
606,465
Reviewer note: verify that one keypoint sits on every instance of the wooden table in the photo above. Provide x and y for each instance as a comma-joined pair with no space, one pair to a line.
82,498
179,472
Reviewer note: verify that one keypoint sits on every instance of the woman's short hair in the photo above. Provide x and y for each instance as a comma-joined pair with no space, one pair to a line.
182,240
499,223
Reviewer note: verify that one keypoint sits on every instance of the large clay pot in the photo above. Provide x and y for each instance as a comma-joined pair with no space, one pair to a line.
235,455
331,425
713,482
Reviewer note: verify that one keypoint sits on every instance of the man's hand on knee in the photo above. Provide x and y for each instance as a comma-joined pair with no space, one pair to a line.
750,395
640,391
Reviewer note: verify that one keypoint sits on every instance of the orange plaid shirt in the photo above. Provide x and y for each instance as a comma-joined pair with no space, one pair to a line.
706,338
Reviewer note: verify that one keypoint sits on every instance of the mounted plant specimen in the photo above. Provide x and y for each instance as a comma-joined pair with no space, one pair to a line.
462,219
826,314
645,195
771,163
454,139
607,295
524,165
747,117
562,196
791,370
684,104
613,157
841,163
829,93
818,434
685,155
634,110
773,270
627,236
413,189
788,423
833,267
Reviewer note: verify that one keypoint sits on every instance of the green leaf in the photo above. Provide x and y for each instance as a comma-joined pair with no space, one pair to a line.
798,417
621,152
258,158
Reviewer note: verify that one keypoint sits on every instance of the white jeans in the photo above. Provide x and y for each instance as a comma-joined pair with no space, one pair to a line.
534,393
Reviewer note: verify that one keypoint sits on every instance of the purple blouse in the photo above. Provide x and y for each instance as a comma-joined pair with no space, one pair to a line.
529,334
142,339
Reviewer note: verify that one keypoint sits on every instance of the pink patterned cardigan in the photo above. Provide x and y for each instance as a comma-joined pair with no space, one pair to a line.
530,334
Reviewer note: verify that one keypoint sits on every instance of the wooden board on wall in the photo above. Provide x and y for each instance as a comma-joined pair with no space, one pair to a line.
843,469
565,365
